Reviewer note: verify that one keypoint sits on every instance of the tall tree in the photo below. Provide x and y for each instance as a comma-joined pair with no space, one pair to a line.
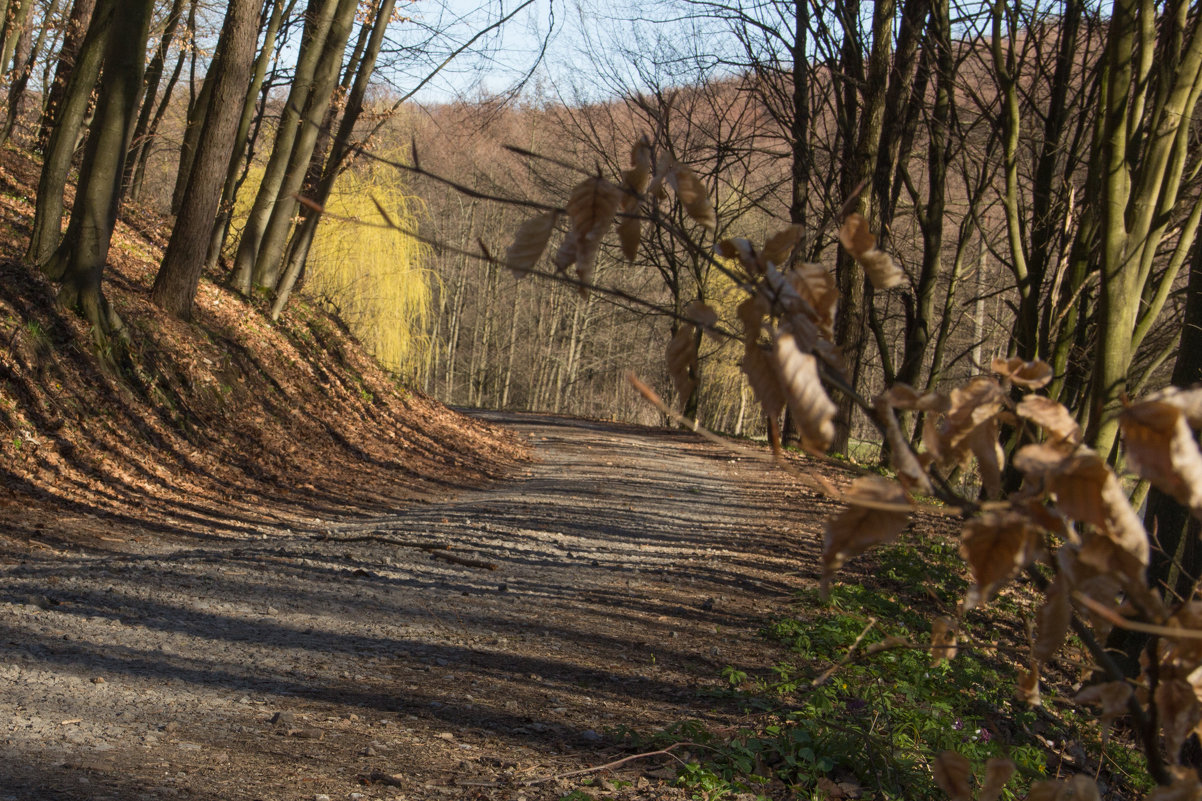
1152,83
29,50
269,255
175,285
78,23
80,258
319,15
340,150
143,131
244,140
64,133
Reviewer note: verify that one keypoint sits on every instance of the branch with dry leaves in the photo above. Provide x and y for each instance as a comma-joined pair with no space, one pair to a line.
1071,515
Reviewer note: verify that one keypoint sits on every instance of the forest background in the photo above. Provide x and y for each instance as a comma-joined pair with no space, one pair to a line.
976,183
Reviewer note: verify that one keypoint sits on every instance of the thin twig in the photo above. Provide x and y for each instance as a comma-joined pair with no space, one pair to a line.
847,658
1121,622
1139,716
584,771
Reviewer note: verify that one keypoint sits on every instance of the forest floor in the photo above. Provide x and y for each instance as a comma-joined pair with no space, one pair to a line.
605,585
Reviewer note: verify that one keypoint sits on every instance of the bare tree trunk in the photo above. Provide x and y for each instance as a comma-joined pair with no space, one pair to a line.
139,169
329,168
274,234
456,327
79,261
931,215
26,57
48,215
512,347
16,20
319,15
78,24
175,285
154,74
280,9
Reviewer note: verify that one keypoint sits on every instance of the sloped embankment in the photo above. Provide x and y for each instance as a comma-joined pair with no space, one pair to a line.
227,425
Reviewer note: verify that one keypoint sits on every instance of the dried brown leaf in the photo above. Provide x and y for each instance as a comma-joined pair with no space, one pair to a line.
1185,651
1053,418
742,250
1077,788
817,286
1027,688
1086,490
692,195
943,639
1030,375
529,243
1084,788
880,267
681,355
996,545
751,314
565,256
953,773
878,510
1112,696
1180,713
977,403
1185,787
910,470
998,771
812,408
630,234
779,247
1052,620
591,208
1039,460
796,311
761,376
1085,577
640,154
636,179
1047,790
1189,401
701,313
904,396
1161,448
983,442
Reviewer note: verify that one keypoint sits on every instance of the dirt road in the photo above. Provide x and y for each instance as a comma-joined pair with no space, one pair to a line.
346,662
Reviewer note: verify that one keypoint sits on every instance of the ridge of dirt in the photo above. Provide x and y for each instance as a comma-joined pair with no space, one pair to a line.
631,566
222,426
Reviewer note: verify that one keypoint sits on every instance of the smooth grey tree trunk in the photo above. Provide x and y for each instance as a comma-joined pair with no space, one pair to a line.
60,149
339,151
269,258
154,75
320,15
80,259
175,285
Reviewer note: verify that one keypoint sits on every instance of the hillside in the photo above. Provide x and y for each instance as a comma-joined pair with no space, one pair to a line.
229,425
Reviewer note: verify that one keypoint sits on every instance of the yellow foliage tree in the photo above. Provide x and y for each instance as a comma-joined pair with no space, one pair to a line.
374,276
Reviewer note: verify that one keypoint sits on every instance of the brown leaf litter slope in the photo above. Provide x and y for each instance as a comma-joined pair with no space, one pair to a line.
631,566
216,427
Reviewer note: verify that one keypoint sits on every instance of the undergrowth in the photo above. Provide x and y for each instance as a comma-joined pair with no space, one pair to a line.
821,725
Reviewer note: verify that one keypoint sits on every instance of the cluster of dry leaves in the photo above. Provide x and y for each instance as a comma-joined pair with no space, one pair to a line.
1071,515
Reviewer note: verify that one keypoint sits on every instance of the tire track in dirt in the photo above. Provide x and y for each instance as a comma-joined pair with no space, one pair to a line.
633,564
